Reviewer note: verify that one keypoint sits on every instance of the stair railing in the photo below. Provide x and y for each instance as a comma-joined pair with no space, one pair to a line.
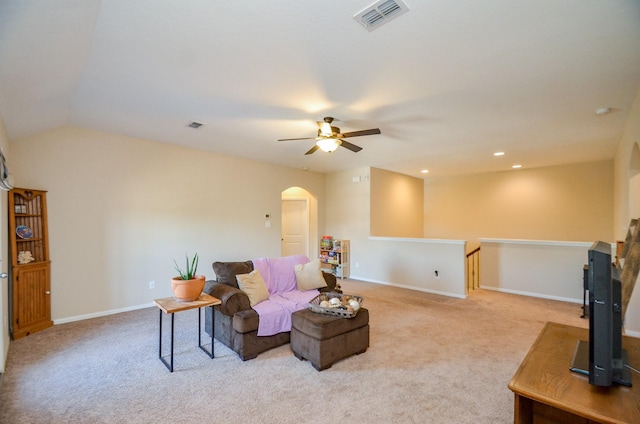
473,269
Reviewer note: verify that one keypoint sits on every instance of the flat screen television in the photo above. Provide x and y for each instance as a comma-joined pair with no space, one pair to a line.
602,357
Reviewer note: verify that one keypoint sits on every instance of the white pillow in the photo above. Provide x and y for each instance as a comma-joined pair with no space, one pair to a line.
309,276
254,286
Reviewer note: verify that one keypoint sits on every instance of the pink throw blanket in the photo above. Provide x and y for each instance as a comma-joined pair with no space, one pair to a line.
285,298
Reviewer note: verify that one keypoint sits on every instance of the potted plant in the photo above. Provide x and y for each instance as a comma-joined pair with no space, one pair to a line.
187,286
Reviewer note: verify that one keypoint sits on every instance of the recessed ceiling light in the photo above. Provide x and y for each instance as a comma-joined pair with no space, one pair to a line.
603,110
517,166
498,154
425,171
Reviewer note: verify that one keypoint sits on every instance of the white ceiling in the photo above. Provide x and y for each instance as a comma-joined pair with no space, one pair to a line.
448,83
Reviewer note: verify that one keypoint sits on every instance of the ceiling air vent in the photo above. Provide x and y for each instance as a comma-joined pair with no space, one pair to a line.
195,125
380,13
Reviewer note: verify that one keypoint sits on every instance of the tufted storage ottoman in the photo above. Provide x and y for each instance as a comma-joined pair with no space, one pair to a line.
325,339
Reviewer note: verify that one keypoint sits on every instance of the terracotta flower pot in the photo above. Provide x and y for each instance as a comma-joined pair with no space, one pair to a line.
187,290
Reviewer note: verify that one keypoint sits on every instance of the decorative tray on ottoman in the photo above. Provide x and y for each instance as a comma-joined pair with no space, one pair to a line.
344,306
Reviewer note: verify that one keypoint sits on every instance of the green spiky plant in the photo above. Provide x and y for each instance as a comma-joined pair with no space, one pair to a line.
190,270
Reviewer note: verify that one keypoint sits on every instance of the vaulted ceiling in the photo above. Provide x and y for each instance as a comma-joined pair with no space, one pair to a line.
448,82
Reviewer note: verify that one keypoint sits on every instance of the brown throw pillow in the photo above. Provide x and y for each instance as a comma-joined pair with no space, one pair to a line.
226,271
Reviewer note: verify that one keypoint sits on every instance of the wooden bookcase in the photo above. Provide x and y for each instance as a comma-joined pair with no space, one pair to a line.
30,289
334,257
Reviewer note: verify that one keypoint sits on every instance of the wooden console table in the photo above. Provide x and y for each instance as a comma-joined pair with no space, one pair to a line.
546,391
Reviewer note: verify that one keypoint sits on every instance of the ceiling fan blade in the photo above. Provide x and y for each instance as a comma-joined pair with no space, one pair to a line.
350,146
360,133
311,150
293,139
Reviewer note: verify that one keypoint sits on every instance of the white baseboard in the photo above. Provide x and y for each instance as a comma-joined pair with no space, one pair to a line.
632,333
541,296
404,286
100,314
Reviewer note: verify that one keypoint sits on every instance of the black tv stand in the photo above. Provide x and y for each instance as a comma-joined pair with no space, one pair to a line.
580,364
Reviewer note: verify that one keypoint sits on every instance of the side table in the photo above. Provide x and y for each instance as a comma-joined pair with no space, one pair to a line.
546,391
169,305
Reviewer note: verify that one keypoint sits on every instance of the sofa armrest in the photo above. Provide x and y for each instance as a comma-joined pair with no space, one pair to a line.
233,299
246,321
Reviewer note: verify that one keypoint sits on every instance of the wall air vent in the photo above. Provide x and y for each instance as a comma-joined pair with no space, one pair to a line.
380,13
195,125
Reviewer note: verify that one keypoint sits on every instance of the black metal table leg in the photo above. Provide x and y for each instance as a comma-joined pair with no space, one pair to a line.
164,361
210,354
160,336
213,326
172,319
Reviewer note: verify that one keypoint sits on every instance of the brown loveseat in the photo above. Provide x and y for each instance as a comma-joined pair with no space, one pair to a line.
236,322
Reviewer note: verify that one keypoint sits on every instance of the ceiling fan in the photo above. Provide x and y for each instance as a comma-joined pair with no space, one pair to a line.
330,138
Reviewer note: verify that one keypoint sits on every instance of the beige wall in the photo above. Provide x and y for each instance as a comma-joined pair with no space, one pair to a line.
570,202
626,170
626,167
554,203
397,203
348,205
547,269
121,209
404,262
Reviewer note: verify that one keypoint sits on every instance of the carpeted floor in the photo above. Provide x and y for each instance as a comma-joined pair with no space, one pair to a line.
432,359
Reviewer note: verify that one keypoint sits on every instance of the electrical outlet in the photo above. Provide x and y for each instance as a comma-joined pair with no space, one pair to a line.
152,285
357,264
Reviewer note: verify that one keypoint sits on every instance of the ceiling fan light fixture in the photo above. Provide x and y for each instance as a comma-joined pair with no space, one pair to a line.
325,129
328,144
330,138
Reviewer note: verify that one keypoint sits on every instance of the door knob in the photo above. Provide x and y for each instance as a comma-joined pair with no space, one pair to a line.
4,275
47,292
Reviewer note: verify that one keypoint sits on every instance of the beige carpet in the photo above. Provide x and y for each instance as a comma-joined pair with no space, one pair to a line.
432,359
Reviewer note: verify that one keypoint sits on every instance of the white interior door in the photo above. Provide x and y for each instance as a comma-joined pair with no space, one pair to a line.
295,227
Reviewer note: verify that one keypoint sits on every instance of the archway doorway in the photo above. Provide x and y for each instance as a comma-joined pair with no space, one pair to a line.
299,223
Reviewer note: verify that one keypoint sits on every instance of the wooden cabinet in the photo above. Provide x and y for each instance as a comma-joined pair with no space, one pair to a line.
30,289
334,255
